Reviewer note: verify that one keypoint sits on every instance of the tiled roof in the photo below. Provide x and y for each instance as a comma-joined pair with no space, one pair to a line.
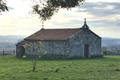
52,34
59,34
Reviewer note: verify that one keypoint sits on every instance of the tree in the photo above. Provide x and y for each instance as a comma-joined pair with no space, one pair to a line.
46,9
38,51
49,7
3,6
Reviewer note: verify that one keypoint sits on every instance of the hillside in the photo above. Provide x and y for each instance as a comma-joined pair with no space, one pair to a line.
9,42
106,42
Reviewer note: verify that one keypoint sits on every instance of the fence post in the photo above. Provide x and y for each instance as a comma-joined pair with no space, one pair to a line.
3,52
14,52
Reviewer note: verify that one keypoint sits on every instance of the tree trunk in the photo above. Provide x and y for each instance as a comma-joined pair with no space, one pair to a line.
34,65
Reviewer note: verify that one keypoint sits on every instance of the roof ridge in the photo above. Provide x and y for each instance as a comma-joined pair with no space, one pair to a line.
59,28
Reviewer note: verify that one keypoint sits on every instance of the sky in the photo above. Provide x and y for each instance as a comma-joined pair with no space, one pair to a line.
103,17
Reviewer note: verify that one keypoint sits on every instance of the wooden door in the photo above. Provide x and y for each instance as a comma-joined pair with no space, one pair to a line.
22,51
86,50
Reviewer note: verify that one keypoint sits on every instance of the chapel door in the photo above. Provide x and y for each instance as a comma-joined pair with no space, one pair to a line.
22,51
86,50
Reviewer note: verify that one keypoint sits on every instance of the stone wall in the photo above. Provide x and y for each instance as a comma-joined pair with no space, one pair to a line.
47,49
78,41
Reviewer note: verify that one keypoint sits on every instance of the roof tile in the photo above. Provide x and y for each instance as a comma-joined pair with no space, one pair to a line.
52,34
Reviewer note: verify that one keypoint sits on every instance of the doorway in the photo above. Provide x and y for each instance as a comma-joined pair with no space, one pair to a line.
86,50
22,51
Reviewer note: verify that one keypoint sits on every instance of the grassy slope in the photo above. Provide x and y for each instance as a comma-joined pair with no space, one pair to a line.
107,68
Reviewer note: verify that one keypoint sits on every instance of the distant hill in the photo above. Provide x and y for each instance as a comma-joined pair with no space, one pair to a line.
10,39
9,42
106,42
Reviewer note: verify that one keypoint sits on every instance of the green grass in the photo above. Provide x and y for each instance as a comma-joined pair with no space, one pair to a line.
107,68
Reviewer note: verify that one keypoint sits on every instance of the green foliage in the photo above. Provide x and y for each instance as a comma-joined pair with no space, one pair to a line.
53,6
107,68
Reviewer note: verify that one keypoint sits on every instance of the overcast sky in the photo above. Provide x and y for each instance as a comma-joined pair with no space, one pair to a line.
103,17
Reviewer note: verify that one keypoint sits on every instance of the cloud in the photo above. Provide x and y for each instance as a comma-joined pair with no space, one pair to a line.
100,9
112,32
97,14
102,17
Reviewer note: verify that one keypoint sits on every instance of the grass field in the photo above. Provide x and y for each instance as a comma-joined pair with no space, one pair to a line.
107,68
